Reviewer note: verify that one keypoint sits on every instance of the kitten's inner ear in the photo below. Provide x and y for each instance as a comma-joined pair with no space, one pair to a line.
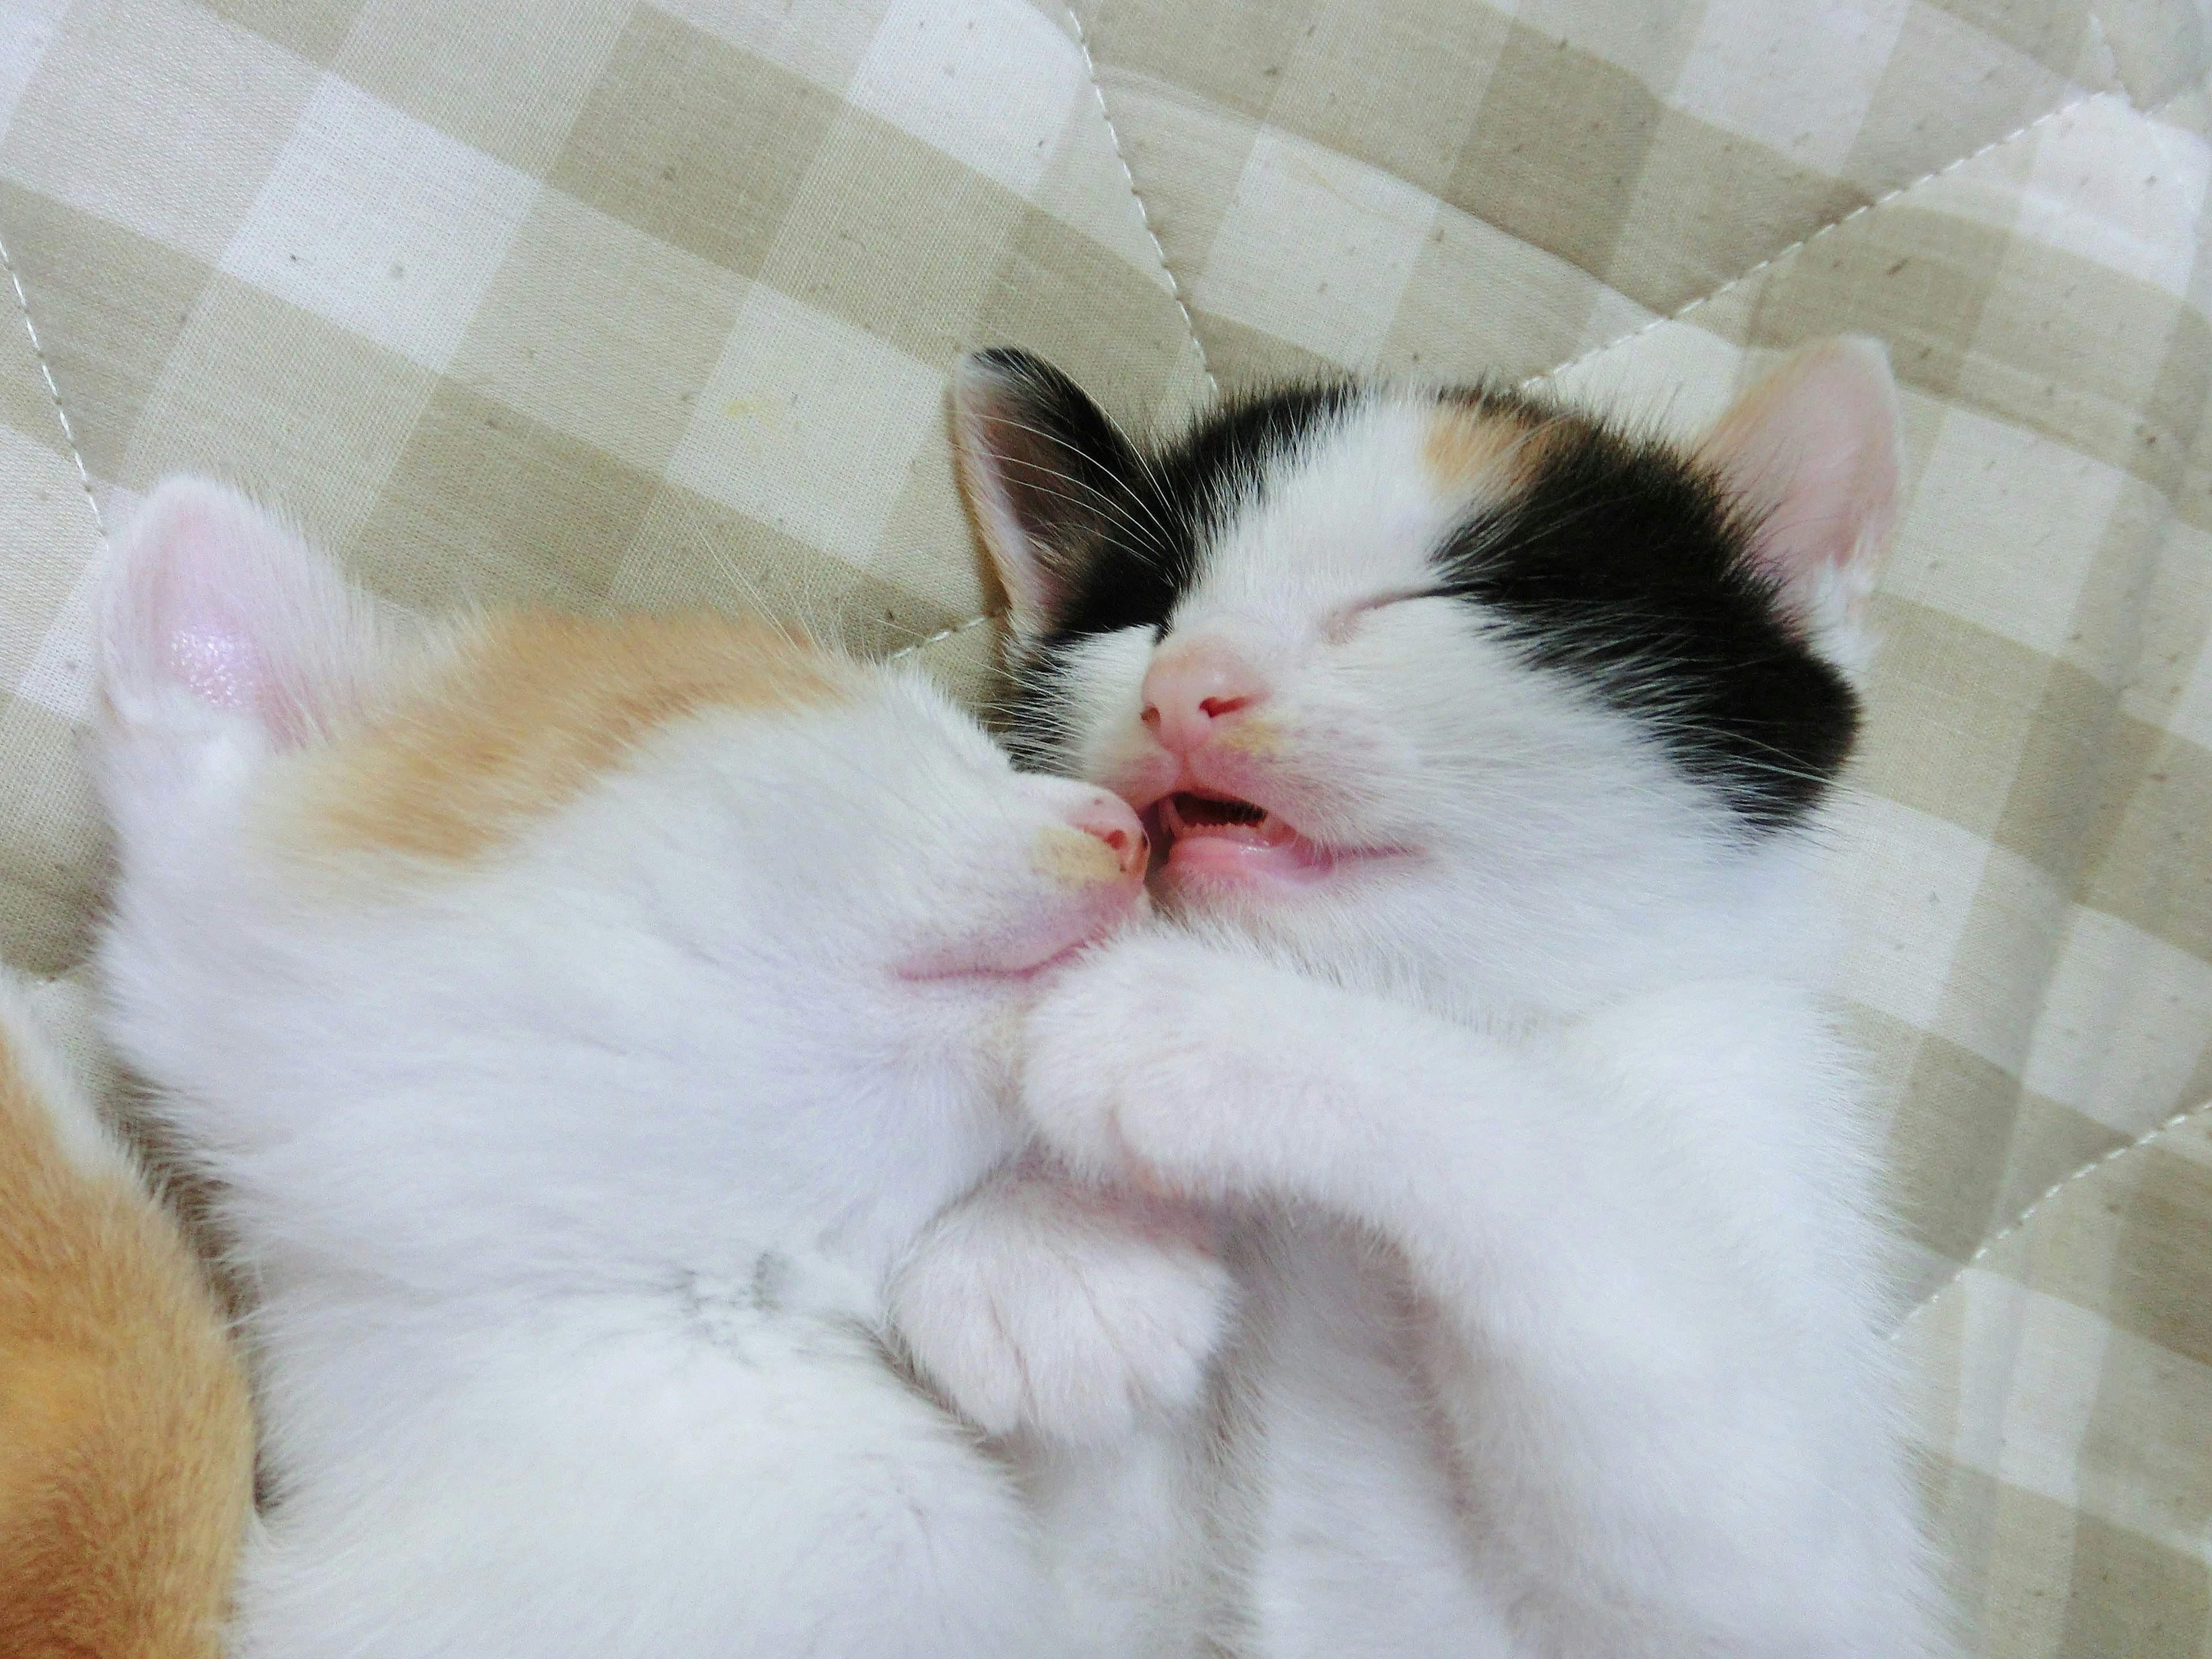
1813,453
213,597
1047,474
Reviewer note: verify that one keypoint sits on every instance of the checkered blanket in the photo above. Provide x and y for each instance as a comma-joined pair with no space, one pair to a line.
608,303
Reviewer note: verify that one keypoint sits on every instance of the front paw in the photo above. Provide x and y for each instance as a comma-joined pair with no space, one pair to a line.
1064,1315
1148,1061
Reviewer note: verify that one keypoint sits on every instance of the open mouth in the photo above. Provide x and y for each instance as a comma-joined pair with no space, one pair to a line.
1209,834
1186,814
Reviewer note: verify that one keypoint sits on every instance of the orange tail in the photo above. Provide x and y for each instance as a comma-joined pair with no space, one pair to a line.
126,1443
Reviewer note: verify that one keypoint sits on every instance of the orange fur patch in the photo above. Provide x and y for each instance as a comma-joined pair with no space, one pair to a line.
1470,446
526,710
126,1441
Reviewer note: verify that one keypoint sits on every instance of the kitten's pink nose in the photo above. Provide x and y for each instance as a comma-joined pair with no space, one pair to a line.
1109,818
1191,686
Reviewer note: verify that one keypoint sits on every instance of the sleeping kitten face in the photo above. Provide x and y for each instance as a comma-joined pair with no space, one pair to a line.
1459,681
686,878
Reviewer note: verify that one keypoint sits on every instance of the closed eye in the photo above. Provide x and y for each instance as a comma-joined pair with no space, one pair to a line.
1337,627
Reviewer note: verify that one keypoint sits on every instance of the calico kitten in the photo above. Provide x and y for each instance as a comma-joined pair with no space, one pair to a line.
126,1441
1488,746
581,1019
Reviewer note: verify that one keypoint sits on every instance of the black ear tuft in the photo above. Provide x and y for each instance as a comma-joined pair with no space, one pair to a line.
1049,475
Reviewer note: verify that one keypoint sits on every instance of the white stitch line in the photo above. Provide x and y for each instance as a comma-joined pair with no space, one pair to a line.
2050,1192
1159,249
944,633
1143,214
1734,282
2196,88
61,414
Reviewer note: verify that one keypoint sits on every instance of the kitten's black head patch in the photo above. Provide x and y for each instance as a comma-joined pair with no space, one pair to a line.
1624,566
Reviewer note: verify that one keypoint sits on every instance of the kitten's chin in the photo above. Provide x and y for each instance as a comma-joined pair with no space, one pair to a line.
1206,859
1046,939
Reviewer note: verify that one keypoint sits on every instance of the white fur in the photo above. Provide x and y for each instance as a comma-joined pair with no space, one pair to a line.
1080,1325
1562,1273
1034,1301
571,1181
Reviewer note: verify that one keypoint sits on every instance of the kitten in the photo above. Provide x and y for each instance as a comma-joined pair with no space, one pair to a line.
126,1441
581,1019
1488,745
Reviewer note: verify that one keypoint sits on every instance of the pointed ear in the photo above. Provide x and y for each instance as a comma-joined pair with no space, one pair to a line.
212,598
1047,473
1813,453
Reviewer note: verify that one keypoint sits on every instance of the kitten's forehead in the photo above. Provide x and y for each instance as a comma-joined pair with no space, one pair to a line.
518,714
1359,505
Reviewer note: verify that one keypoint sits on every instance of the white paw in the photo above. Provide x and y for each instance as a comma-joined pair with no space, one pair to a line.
1144,1063
1065,1314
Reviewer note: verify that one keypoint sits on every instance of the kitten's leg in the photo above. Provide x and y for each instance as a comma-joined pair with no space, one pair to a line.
1124,1527
1039,1305
1342,1514
1161,1062
1673,1424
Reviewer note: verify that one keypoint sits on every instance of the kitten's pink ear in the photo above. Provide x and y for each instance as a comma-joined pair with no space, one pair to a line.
1813,451
1048,475
213,597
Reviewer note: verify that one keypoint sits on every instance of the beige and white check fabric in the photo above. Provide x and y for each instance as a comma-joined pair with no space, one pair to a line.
589,301
614,303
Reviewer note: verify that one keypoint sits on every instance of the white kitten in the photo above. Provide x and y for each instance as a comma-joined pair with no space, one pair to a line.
582,1019
1489,745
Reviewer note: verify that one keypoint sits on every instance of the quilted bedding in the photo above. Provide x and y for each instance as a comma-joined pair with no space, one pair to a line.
602,302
